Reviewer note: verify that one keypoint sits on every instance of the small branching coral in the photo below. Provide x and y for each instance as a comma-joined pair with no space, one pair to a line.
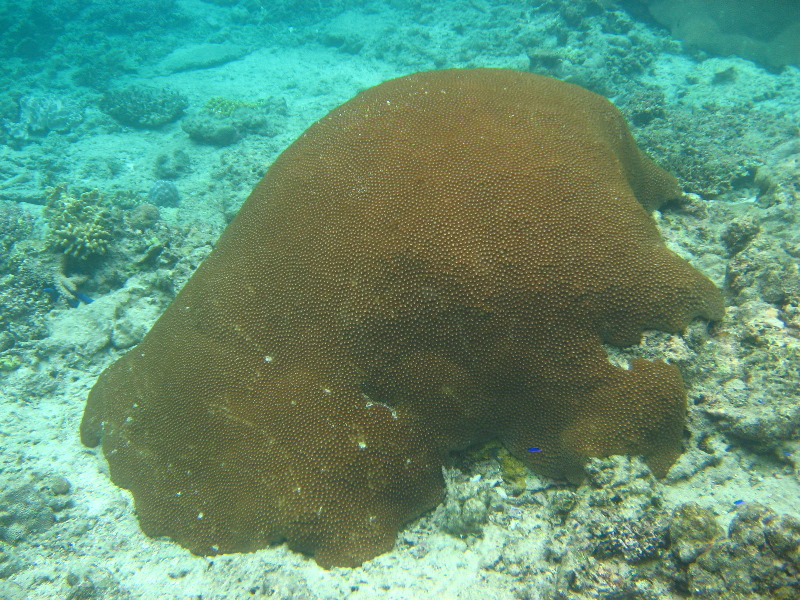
80,225
225,107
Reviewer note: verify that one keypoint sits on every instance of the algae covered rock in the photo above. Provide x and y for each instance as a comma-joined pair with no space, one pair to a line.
692,529
766,31
759,559
223,121
199,56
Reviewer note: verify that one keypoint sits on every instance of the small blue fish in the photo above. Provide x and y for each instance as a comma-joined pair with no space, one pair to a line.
74,302
83,297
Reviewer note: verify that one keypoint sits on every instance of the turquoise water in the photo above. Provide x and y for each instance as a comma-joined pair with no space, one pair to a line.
132,133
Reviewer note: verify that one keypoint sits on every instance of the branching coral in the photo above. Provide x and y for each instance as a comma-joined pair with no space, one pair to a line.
80,226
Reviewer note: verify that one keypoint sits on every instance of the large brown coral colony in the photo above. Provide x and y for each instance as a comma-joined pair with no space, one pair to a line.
434,263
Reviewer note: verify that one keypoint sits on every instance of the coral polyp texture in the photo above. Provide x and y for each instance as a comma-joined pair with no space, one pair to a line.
435,263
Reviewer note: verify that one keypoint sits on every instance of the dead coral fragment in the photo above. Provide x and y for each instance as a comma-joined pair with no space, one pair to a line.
80,226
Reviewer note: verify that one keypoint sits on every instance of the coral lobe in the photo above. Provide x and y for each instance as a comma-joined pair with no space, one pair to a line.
435,263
